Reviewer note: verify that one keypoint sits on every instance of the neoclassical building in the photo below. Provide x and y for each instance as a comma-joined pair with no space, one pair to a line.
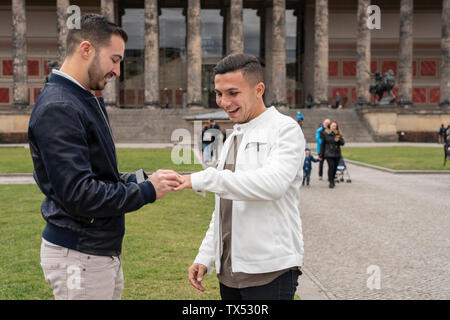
310,47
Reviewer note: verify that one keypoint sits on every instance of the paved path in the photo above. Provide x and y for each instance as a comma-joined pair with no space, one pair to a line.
397,223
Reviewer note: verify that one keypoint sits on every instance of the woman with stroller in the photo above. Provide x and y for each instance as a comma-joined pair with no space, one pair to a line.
330,149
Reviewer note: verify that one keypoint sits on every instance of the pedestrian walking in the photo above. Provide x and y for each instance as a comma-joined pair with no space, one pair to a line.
330,149
442,131
325,124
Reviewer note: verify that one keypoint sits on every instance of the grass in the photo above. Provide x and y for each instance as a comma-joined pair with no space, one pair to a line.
399,158
15,160
18,160
160,243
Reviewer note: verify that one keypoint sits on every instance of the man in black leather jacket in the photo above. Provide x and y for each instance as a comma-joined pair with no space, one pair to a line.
75,166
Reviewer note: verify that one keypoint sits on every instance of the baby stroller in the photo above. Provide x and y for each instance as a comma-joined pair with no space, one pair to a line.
341,171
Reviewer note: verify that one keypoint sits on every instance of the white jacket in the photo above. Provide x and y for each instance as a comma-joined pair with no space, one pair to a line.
266,225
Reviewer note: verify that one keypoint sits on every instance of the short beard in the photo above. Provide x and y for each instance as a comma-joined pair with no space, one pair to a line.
95,75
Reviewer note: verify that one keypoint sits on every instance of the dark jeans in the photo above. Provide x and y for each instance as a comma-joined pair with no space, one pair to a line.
282,288
332,168
306,177
321,167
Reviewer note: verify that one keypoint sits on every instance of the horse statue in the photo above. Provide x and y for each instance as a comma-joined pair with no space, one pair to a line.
383,84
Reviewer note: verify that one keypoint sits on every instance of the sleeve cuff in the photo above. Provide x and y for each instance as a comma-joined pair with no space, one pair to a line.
128,177
197,179
132,178
206,262
148,192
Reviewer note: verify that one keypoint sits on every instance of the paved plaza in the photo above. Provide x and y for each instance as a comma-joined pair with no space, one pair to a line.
397,223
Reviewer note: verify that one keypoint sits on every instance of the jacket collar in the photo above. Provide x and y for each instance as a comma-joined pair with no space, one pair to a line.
57,79
263,117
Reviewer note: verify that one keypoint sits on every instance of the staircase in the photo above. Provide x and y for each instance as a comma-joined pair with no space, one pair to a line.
156,126
148,126
353,129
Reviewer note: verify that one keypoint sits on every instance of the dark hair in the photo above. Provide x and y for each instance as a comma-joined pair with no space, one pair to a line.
96,29
249,65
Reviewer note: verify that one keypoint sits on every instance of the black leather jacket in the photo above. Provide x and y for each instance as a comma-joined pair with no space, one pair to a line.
75,166
330,148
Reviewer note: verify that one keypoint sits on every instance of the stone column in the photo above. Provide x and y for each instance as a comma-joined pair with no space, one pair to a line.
268,56
110,91
107,9
20,64
445,56
308,55
235,27
278,53
320,95
363,55
194,55
151,73
405,57
61,28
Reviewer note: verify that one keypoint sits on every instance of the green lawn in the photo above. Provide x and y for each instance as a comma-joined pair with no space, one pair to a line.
399,158
18,160
160,243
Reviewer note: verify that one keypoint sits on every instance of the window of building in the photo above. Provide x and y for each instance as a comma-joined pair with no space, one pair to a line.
172,56
132,75
251,32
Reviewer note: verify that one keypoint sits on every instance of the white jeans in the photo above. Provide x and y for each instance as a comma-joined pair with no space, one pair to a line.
74,275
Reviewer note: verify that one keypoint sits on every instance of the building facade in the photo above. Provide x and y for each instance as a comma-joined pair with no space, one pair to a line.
311,47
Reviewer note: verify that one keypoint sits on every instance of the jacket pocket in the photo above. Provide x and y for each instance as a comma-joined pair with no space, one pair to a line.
255,154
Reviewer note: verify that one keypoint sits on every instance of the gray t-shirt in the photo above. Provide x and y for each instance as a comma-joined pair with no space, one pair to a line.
226,276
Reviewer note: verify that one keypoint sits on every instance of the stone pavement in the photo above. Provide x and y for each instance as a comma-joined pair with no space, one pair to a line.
396,224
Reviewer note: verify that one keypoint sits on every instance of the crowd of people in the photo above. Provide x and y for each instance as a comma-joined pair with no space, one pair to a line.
329,139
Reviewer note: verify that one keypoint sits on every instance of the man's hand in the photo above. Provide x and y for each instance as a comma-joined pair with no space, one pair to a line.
187,183
196,273
164,181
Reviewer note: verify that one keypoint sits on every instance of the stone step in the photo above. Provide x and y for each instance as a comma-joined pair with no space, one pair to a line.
156,126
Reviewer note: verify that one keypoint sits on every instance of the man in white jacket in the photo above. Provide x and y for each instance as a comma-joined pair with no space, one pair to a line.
255,235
